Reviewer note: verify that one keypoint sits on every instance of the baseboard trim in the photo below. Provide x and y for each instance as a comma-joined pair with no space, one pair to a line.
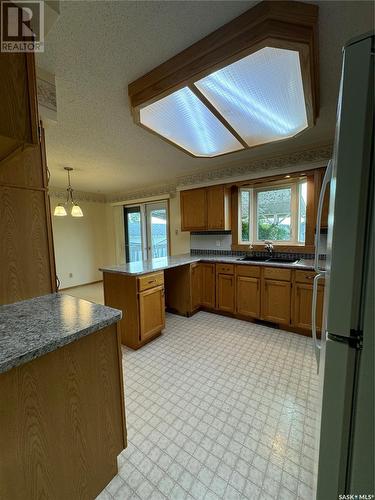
82,284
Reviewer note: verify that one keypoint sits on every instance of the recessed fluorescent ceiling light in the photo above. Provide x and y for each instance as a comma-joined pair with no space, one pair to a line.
183,119
261,95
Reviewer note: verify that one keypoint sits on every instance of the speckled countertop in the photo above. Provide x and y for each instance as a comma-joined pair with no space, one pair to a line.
149,266
31,328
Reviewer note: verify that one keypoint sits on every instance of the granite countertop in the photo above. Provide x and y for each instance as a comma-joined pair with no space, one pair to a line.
159,264
31,328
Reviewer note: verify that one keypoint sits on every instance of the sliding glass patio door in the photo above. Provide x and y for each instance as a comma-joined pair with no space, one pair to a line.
157,229
146,231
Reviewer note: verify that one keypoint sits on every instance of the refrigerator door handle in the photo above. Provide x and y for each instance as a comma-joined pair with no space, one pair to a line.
317,345
326,181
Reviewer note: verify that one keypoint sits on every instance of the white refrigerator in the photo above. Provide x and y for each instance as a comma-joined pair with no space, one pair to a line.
345,355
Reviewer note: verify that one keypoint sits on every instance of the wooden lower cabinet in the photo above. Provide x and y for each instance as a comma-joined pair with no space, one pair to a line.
208,285
302,302
248,296
143,310
62,421
151,312
225,292
196,286
276,300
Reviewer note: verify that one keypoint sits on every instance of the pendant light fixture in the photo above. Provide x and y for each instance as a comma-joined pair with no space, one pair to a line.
60,210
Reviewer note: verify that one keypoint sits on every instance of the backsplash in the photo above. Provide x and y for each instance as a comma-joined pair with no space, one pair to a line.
239,253
210,242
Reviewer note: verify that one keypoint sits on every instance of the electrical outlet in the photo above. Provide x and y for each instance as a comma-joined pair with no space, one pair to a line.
218,243
70,275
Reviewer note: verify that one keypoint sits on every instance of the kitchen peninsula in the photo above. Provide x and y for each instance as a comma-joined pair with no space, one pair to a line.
275,292
62,416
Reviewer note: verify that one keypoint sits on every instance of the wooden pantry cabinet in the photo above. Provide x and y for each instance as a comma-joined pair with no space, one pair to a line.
27,263
205,209
141,300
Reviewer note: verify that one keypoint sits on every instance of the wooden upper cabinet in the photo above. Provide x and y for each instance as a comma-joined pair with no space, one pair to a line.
19,115
248,296
193,210
218,208
205,209
276,300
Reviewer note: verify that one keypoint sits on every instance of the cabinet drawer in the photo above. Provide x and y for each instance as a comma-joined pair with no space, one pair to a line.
306,277
150,280
276,273
248,270
225,268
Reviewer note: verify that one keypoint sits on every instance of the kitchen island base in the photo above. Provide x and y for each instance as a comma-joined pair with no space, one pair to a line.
62,421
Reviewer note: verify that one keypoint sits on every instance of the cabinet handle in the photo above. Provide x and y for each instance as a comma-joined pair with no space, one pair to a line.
151,281
308,277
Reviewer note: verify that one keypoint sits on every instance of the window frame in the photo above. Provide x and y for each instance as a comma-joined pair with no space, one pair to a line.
294,185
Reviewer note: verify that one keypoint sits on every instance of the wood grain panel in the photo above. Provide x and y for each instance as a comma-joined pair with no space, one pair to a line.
150,280
276,301
61,421
225,268
302,302
18,118
225,292
151,312
24,169
208,286
24,248
120,292
248,296
193,210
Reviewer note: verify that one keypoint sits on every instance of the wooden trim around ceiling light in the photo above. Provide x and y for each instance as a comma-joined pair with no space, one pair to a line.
279,24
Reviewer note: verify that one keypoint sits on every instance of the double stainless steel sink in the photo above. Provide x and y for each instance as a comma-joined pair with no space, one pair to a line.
255,258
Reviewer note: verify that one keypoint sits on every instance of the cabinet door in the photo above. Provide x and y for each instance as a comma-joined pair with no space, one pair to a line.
208,285
196,285
193,210
276,301
26,263
248,296
225,292
19,116
215,207
151,312
302,300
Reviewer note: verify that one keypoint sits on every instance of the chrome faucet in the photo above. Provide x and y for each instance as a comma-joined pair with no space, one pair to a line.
268,245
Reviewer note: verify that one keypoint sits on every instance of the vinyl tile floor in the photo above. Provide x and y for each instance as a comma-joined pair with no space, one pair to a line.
218,408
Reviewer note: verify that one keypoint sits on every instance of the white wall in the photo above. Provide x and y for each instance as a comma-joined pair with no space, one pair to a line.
82,245
180,240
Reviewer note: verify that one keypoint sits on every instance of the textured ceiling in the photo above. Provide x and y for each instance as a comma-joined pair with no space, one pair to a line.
96,48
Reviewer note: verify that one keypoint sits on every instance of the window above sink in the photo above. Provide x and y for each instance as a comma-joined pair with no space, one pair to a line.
273,212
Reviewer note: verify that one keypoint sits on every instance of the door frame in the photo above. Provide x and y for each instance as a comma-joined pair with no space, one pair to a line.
142,209
148,206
